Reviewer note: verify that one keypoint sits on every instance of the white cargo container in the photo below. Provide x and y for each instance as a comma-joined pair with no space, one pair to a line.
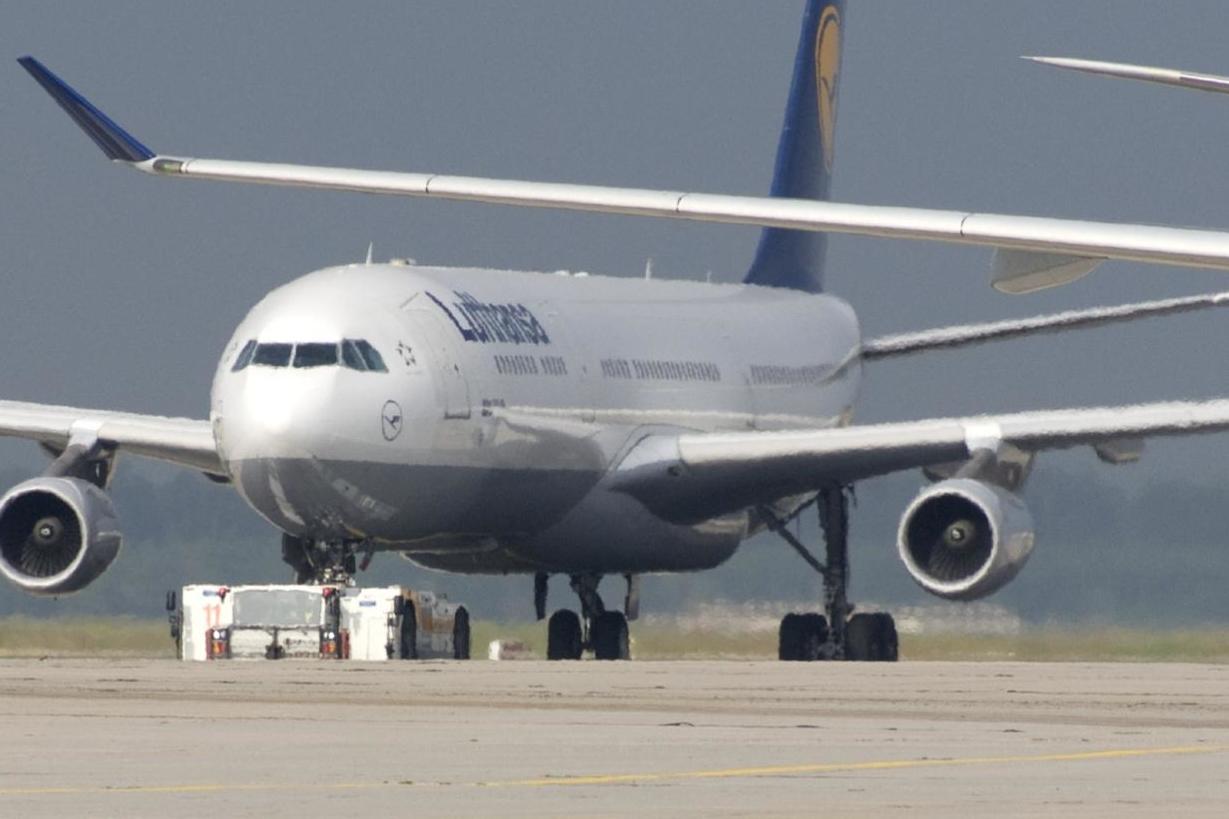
279,621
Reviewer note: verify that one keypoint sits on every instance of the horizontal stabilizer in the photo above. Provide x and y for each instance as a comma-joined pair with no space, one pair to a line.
966,334
1025,271
1127,71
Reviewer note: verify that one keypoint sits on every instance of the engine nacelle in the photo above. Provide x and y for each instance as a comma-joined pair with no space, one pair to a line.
963,539
57,535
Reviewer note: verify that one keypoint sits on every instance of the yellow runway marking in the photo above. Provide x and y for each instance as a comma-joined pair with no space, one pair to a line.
630,778
833,767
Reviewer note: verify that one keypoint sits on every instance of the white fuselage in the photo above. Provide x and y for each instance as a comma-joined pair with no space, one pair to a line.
504,401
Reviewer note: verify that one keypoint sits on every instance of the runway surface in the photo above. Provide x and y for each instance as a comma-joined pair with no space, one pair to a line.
164,738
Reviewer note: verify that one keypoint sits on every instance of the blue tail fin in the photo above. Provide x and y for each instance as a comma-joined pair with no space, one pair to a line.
795,258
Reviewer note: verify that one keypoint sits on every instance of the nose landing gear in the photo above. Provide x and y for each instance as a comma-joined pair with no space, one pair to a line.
317,563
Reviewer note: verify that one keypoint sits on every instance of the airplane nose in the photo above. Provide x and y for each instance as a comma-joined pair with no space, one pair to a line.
276,415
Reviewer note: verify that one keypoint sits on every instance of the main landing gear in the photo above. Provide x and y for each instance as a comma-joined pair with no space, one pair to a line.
838,633
602,630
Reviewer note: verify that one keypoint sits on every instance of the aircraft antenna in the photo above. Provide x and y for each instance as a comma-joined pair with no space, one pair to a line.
648,268
371,246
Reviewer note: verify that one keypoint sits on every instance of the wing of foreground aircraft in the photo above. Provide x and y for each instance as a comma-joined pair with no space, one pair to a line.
1128,71
1031,253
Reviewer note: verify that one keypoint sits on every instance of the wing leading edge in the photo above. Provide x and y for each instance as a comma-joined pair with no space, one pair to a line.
693,476
1034,252
965,334
181,441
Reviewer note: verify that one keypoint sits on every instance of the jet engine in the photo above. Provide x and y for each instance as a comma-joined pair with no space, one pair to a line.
57,535
963,539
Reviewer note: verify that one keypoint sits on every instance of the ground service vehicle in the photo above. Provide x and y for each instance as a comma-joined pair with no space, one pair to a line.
210,621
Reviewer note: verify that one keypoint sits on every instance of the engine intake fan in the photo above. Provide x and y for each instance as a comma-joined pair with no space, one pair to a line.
963,539
57,535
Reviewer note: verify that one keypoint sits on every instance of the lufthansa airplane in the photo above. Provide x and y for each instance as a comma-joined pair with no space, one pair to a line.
507,422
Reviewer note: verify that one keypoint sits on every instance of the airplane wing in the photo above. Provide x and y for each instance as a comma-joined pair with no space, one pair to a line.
1031,253
695,476
966,334
1128,71
180,441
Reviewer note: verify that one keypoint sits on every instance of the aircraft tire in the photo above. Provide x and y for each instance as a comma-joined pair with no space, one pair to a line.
460,635
409,633
889,641
789,638
611,640
563,637
294,554
814,635
871,638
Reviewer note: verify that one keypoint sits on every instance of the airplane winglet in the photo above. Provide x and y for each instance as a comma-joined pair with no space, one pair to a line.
115,142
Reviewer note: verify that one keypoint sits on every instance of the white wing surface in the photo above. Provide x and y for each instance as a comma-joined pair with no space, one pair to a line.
966,334
1146,73
1032,252
181,441
1074,246
693,476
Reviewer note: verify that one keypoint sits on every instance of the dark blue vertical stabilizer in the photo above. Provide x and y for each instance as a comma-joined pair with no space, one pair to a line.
795,258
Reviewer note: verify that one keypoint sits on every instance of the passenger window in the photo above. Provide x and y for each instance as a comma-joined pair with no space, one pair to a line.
371,357
351,357
315,355
272,355
245,356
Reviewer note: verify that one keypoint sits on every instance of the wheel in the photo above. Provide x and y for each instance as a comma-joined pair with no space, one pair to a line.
563,638
888,642
802,637
814,635
409,632
859,634
460,635
789,638
871,638
610,637
294,554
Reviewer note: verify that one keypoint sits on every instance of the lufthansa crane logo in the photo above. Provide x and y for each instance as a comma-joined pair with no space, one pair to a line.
827,75
391,420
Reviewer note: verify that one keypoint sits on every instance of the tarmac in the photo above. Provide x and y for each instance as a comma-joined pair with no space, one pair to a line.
480,738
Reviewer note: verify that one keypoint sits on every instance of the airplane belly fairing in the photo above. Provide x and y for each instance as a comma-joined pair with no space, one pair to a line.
606,533
483,520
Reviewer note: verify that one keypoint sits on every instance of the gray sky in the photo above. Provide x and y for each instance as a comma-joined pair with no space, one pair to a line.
119,291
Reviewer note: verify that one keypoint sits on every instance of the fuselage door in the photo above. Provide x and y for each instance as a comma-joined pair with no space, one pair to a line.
443,347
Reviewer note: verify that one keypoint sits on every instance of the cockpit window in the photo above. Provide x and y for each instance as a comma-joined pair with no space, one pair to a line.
351,357
358,354
375,362
245,356
315,355
355,354
272,355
